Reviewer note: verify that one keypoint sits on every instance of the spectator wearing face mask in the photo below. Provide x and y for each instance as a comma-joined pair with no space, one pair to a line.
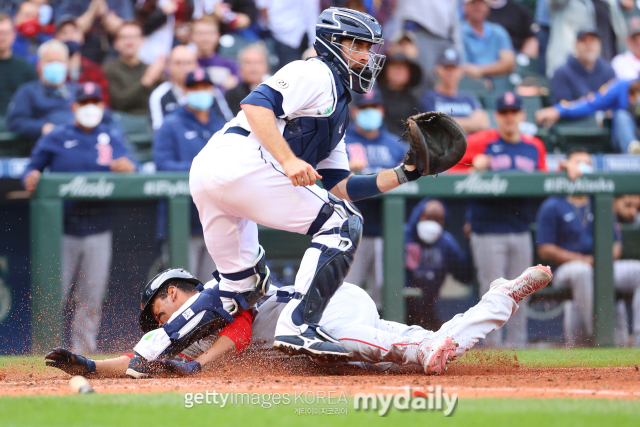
38,106
254,69
32,23
370,148
167,97
585,72
86,145
180,138
81,69
397,81
15,71
431,253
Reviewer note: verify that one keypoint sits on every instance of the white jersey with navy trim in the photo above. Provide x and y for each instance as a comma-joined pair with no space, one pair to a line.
308,89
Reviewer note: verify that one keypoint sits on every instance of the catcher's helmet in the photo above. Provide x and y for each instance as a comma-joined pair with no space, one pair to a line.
147,322
336,24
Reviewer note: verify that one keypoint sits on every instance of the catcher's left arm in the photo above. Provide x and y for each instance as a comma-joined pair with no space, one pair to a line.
436,143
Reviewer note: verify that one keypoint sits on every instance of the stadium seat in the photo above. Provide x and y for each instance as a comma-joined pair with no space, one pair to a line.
531,104
10,144
231,45
477,87
630,241
137,129
581,133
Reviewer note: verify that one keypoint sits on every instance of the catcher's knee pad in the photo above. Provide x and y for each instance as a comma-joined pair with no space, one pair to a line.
250,297
350,231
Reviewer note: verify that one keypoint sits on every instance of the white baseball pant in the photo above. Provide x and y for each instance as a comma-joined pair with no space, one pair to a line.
504,255
578,276
236,184
352,317
87,259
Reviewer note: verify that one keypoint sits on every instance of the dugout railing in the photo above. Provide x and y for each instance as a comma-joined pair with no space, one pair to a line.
46,226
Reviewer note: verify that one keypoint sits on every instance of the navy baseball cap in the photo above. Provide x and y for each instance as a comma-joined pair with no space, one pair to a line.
373,98
198,75
64,20
448,57
509,101
88,91
587,31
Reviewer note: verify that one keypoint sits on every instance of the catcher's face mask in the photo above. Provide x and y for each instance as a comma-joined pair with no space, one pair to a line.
361,58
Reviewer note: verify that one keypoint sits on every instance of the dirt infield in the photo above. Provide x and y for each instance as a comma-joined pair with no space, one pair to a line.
487,374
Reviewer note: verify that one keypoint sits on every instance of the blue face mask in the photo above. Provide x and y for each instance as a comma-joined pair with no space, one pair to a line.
55,73
369,119
585,168
200,100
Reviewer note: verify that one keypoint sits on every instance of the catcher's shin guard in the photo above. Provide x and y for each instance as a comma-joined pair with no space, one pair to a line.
334,263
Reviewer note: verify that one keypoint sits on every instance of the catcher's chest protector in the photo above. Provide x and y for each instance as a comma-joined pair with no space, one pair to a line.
312,139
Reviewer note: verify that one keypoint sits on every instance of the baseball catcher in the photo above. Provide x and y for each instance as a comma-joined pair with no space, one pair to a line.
266,161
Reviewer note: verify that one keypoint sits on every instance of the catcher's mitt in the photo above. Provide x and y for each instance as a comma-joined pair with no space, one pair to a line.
436,142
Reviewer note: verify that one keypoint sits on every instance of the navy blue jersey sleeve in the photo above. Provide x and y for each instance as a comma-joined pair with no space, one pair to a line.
331,177
121,148
427,103
560,89
163,150
20,115
475,102
458,260
41,156
617,233
547,223
611,96
267,97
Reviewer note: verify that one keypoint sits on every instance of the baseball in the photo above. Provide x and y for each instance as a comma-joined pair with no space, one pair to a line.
79,384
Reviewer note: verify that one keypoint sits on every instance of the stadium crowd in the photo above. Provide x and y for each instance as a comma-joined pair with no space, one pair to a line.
79,77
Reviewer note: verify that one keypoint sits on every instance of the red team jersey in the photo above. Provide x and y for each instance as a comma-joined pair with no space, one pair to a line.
477,143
